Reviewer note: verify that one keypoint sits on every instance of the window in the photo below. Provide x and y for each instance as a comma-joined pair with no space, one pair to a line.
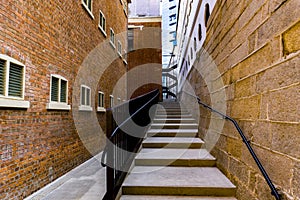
100,102
206,14
85,98
88,5
192,53
199,32
112,38
58,93
119,101
195,43
111,101
102,23
130,39
119,48
12,83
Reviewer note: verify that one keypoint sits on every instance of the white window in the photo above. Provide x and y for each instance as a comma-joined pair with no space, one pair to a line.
88,5
111,101
85,98
119,48
12,83
119,100
112,38
100,102
102,23
58,93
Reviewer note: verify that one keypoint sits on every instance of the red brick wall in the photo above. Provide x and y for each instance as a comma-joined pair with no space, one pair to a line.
145,61
50,37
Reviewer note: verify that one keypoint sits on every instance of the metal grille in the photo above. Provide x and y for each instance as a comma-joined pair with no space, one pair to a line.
2,76
15,85
54,89
63,91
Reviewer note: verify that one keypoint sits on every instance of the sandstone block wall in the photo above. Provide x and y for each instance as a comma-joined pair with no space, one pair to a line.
255,45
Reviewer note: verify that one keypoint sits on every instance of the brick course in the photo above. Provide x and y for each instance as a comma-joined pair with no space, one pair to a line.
51,37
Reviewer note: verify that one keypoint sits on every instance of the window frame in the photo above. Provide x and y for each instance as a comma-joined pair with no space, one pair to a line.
111,101
100,25
119,49
85,106
112,39
58,105
99,107
90,11
12,101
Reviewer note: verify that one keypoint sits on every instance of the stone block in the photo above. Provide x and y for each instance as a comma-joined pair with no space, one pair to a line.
278,166
281,75
278,21
246,108
296,181
245,87
291,39
239,171
286,138
283,105
234,147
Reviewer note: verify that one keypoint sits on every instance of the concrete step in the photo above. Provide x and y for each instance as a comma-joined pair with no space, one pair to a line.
172,133
201,181
164,197
174,120
172,113
172,142
158,116
174,126
175,157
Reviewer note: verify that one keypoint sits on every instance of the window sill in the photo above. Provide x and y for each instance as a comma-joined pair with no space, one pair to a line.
112,44
87,10
58,106
14,103
101,109
103,31
85,108
120,55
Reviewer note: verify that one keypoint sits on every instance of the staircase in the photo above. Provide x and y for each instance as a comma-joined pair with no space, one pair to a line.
172,165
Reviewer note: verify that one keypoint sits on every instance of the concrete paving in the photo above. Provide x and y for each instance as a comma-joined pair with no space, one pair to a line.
86,182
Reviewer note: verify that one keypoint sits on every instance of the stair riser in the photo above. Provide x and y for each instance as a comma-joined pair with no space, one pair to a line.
168,121
174,145
193,191
171,134
179,162
170,126
172,116
172,113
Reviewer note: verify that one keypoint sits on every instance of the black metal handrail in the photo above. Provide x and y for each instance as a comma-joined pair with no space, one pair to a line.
122,141
274,191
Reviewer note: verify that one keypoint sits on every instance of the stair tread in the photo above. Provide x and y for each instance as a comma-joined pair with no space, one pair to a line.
156,197
179,177
168,140
174,154
173,131
174,124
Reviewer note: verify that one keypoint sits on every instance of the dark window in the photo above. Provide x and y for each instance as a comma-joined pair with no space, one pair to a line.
199,32
2,76
15,85
206,14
